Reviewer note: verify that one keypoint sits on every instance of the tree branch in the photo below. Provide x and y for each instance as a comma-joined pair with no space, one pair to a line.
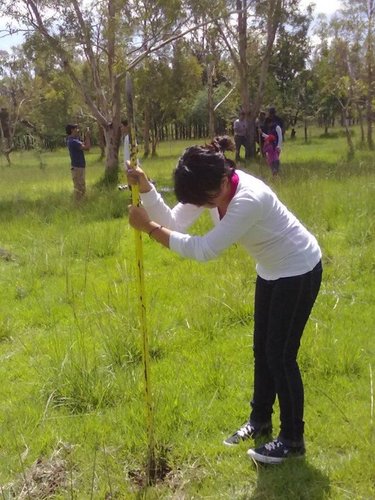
169,40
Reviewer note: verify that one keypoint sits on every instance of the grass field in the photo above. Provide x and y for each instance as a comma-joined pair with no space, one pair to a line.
72,413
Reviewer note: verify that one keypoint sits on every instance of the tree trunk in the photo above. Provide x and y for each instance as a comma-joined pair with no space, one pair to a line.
5,135
243,70
370,83
210,100
349,140
7,156
154,140
146,130
101,141
251,143
360,119
272,21
112,146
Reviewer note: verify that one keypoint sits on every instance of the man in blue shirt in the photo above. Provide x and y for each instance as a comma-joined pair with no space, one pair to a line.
77,158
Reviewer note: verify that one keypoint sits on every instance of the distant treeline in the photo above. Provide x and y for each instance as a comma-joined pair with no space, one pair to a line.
174,131
47,142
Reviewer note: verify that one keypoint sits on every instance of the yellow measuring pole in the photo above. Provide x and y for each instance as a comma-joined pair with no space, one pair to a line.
141,289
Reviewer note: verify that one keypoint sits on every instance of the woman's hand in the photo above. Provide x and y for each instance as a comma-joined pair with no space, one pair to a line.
139,219
138,176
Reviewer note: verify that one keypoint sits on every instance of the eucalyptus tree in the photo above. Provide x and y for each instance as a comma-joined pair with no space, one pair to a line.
250,44
326,70
307,101
354,25
155,21
79,32
15,98
344,63
191,63
205,46
166,85
289,63
96,42
53,97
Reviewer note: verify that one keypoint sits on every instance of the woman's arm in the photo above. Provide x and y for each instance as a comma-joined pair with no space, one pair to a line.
242,214
139,219
239,218
179,218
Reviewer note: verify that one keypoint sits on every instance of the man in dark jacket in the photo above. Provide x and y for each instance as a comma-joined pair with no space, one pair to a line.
77,158
276,119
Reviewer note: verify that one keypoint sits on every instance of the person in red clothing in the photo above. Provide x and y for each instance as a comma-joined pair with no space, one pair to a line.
273,138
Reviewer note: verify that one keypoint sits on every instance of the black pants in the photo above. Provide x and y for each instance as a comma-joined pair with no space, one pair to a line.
282,308
240,140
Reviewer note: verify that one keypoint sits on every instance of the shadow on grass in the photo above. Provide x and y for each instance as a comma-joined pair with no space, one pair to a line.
294,479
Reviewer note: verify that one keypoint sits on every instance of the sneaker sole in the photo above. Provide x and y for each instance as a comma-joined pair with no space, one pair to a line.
270,460
230,444
235,444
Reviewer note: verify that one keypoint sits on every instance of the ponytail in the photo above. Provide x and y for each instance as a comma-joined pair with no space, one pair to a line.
223,143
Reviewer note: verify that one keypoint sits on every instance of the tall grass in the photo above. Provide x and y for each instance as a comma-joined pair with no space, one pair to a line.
71,398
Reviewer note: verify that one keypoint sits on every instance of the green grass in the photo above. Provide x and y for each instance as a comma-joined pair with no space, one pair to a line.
72,415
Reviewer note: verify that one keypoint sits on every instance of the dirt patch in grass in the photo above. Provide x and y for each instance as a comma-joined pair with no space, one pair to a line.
44,478
155,471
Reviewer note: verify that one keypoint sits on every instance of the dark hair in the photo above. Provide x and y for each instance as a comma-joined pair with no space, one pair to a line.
200,171
69,128
125,123
269,120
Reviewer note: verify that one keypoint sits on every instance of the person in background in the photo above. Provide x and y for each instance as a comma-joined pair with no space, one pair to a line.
289,272
240,134
272,142
259,129
276,119
77,158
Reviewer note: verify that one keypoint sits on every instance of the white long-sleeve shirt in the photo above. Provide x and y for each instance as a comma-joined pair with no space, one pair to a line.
255,217
240,127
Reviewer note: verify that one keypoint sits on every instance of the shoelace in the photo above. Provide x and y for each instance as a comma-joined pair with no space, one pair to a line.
245,430
273,445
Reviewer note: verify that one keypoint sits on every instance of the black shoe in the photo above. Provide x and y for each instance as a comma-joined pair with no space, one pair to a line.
276,452
247,431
